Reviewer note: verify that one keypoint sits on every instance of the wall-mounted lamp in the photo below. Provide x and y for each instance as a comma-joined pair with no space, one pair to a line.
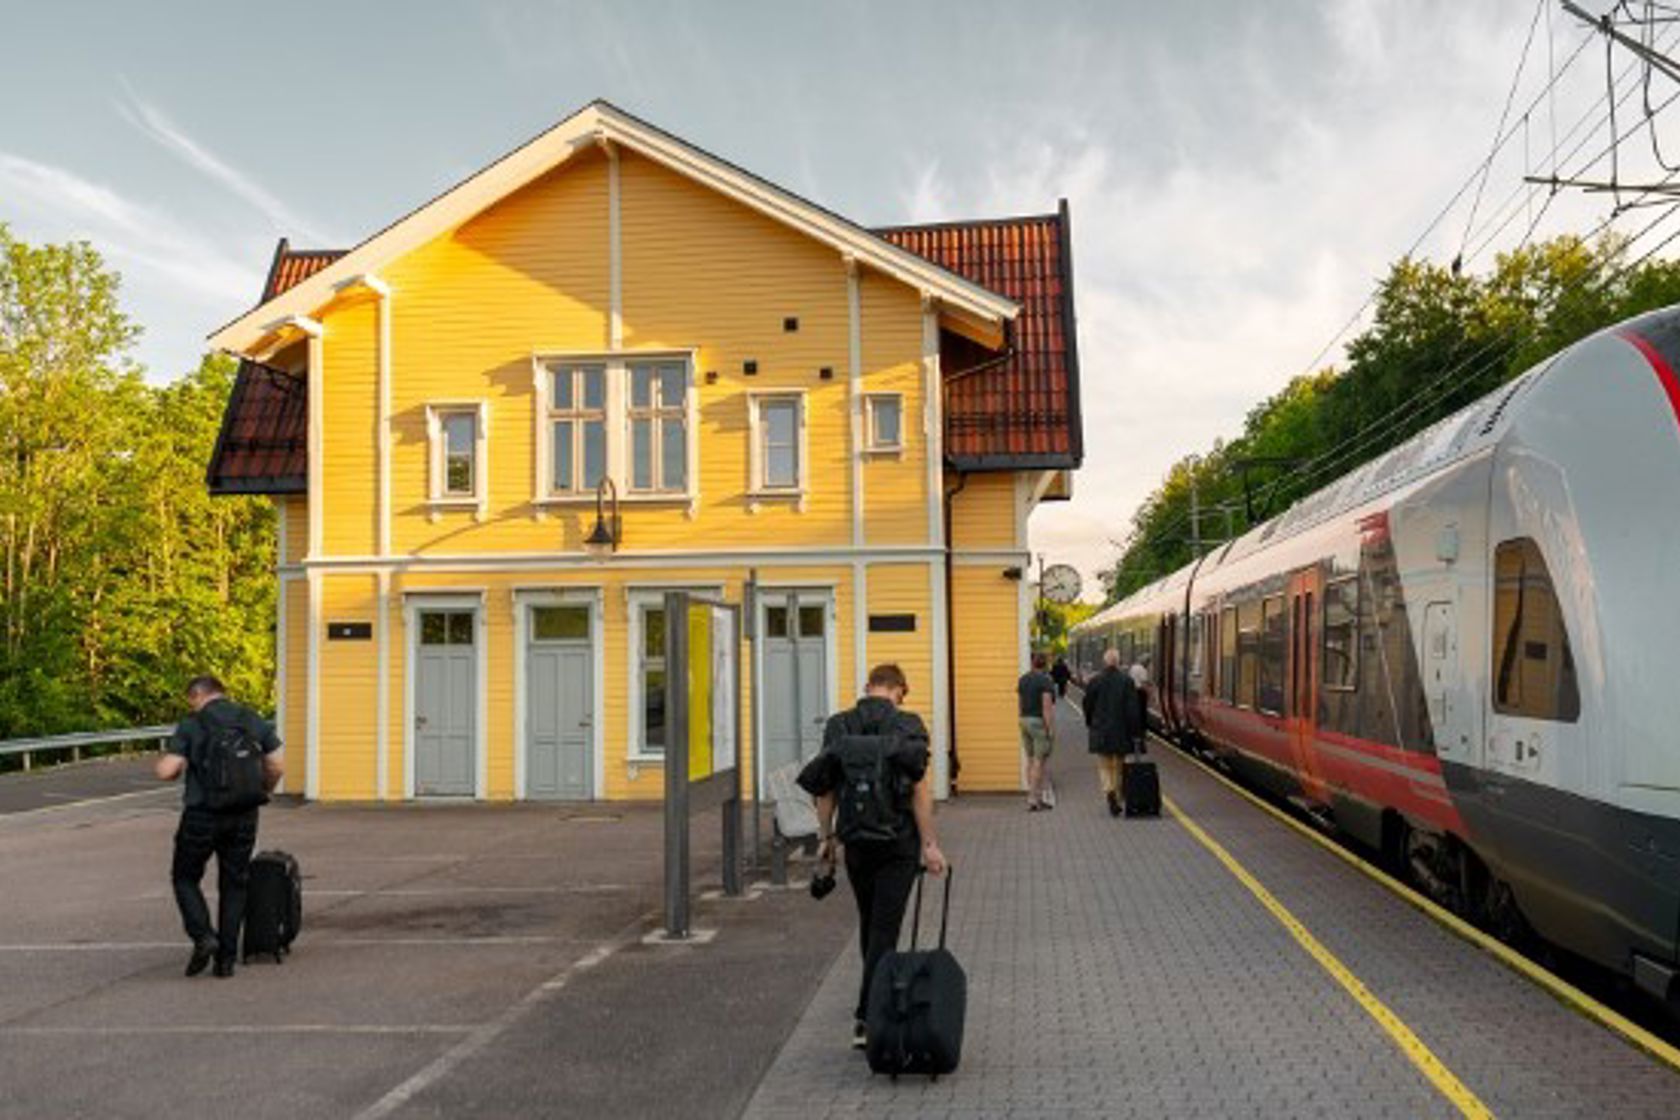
608,534
1013,573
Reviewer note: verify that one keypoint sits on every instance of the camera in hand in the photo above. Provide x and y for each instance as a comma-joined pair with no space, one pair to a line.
822,880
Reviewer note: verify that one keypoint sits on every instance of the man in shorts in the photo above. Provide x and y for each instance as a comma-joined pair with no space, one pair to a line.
1036,692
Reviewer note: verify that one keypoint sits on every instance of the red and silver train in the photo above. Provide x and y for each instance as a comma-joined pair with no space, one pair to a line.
1466,654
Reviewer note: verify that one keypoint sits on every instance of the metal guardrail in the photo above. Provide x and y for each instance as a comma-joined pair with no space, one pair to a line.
74,743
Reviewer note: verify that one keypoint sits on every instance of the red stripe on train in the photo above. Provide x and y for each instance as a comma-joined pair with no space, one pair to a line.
1664,371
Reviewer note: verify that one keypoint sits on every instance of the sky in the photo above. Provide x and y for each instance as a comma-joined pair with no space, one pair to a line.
1239,174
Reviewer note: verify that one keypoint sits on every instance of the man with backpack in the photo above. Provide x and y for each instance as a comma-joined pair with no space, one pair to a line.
874,794
227,753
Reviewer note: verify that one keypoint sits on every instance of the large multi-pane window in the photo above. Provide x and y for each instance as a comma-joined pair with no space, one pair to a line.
1533,668
659,428
577,419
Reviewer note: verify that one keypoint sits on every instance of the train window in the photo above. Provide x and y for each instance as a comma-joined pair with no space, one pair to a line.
1274,644
1341,635
1193,653
1533,669
1248,653
1228,655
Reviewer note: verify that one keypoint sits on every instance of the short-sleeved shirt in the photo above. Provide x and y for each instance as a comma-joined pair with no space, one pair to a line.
193,733
1032,688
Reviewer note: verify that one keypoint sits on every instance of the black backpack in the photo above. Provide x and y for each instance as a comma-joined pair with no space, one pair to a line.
231,770
874,794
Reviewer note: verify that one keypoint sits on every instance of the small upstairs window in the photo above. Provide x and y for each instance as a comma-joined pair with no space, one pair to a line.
659,428
456,433
577,418
778,434
884,427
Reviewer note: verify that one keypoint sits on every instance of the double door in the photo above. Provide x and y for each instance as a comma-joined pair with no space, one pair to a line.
795,702
1302,680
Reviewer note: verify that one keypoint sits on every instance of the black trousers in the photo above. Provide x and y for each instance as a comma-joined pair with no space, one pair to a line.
881,883
230,837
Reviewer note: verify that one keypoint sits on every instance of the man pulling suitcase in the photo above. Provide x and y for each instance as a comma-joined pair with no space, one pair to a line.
228,755
874,794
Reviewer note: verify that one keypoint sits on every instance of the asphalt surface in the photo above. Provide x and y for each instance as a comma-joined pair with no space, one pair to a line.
58,786
456,961
472,961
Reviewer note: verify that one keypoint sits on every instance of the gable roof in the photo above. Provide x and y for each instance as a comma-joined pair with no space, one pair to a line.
1022,411
1018,411
596,123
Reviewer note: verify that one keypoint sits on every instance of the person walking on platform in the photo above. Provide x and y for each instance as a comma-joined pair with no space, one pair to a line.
1036,692
1061,674
886,827
228,755
1141,678
1112,717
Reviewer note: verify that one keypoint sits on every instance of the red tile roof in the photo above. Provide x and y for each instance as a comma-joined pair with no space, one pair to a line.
1017,410
1022,411
292,267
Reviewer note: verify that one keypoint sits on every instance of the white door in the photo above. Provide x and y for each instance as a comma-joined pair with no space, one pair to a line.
445,703
560,704
795,704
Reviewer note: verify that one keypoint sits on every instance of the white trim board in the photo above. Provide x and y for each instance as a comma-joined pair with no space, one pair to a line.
594,123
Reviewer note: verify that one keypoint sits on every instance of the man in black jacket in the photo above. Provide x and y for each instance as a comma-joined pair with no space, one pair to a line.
1113,716
881,871
229,835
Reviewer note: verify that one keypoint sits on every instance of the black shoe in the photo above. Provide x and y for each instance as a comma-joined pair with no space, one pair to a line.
201,954
224,969
1113,805
860,1035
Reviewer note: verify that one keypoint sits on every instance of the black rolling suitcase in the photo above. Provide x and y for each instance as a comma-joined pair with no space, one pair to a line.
1140,787
918,1001
273,906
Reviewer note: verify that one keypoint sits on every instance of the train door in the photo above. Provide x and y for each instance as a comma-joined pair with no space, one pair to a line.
1166,673
1301,716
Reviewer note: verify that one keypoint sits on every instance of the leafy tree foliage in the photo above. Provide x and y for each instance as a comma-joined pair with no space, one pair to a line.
120,578
1436,342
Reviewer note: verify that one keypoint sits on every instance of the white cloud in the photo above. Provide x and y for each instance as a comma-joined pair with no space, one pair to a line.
62,204
156,126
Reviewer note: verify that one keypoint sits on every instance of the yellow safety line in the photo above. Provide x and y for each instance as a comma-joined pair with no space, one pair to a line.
1410,1045
1560,989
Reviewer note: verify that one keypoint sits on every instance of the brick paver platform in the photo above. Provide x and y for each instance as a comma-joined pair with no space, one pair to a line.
1116,968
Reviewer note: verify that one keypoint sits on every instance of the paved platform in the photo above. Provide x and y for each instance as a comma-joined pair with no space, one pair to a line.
1118,968
487,961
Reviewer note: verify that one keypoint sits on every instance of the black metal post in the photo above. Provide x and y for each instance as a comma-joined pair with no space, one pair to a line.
676,765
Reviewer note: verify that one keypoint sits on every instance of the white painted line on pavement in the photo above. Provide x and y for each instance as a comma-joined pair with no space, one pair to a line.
484,1035
160,792
246,1029
136,946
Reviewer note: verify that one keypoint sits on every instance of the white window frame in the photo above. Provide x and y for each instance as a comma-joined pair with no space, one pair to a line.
872,441
756,488
578,415
656,414
437,498
617,365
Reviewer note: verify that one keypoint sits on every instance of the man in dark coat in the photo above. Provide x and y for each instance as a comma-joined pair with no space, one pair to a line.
1111,714
1061,674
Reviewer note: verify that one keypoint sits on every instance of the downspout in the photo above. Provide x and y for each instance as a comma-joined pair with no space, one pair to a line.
951,634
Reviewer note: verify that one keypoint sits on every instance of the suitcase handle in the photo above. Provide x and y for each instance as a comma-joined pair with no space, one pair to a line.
944,909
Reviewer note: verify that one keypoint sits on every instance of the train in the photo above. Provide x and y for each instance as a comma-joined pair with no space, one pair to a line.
1458,654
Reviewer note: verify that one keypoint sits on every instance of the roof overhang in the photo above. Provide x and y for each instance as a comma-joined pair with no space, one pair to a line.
983,311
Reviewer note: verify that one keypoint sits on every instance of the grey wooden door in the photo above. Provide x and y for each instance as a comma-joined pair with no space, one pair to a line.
795,706
446,703
560,705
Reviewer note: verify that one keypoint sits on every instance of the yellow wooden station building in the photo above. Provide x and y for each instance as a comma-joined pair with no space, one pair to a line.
612,333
